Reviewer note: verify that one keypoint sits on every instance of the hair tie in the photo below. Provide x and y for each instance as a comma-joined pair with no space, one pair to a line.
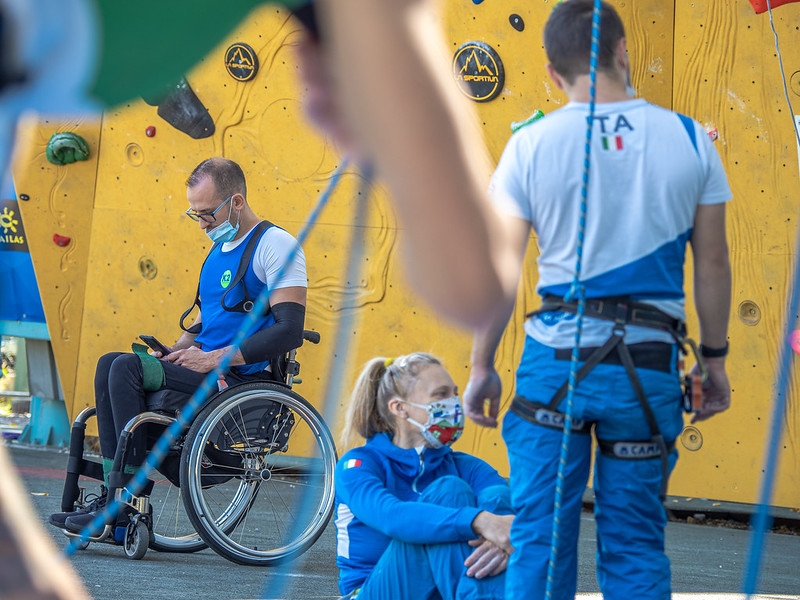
388,362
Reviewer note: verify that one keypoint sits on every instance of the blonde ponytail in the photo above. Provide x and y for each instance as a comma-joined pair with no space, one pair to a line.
381,380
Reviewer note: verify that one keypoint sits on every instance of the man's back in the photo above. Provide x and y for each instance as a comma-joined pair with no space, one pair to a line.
649,171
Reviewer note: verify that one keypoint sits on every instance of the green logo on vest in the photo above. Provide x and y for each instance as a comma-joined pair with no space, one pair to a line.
226,279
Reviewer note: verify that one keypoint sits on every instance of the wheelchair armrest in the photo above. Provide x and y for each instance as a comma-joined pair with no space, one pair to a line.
311,336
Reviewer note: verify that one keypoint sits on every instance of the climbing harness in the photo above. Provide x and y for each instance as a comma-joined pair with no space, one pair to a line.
622,311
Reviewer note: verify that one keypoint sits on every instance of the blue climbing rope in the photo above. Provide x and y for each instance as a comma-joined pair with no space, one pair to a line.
761,518
276,581
576,291
162,446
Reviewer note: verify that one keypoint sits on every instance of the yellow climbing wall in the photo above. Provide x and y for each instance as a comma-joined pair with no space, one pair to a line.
60,204
133,261
727,76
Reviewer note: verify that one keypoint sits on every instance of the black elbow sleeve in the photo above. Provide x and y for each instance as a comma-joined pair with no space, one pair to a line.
280,337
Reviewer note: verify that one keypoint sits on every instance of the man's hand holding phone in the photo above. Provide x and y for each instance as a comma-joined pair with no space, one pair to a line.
159,349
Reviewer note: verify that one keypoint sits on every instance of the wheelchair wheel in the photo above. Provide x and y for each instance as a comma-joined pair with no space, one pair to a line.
172,529
257,474
136,540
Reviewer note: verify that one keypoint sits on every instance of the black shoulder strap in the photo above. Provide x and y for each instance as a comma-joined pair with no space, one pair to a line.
195,329
246,305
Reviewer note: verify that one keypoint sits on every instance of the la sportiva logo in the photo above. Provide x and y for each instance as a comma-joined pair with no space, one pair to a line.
479,69
241,61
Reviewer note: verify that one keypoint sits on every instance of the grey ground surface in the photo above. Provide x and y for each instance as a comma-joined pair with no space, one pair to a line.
705,559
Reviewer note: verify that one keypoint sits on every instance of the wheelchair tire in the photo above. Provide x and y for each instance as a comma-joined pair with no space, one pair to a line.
257,474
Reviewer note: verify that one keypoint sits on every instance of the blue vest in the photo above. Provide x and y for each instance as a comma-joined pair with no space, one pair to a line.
219,325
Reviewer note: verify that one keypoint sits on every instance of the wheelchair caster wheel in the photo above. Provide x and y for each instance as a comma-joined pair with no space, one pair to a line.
137,537
82,545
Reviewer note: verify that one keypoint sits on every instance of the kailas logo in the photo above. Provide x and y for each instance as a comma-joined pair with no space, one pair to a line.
7,221
480,71
241,61
12,234
225,281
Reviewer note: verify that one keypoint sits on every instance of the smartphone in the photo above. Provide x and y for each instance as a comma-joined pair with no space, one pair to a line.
154,344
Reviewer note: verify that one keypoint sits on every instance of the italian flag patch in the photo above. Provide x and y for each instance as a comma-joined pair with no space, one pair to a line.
353,462
612,142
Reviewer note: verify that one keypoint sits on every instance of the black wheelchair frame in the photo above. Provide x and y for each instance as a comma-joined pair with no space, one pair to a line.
241,479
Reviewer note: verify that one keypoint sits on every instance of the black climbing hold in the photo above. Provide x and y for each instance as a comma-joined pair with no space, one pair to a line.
516,22
179,106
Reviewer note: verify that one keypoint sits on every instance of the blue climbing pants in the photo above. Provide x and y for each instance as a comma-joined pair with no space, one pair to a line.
434,571
629,515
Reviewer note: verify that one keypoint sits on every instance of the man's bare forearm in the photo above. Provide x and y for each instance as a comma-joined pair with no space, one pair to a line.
712,290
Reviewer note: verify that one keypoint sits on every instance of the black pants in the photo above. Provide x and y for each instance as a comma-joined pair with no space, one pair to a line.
119,396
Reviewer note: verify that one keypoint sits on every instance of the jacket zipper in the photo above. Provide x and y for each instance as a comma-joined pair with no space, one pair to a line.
421,471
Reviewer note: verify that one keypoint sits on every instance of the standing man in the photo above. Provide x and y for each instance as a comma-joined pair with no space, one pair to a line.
217,194
655,184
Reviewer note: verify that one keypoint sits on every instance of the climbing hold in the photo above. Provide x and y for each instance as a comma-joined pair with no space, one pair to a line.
24,197
180,107
65,148
516,22
147,268
760,6
713,134
749,313
517,125
794,340
150,131
61,240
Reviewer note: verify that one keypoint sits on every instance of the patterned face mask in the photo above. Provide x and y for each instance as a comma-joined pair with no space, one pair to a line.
445,422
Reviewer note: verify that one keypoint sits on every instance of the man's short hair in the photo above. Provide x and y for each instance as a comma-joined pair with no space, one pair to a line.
568,37
227,176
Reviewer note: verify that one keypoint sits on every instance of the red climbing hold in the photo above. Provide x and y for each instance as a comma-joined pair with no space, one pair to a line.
150,131
760,6
713,134
61,240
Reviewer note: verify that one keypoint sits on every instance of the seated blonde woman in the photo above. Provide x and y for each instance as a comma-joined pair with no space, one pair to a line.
416,520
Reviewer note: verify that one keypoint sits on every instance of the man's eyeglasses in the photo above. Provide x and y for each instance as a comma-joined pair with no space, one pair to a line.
207,217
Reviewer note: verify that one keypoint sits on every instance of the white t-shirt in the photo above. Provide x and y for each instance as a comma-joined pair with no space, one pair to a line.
271,252
647,176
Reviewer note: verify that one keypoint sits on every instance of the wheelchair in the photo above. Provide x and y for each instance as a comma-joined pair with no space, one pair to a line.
252,477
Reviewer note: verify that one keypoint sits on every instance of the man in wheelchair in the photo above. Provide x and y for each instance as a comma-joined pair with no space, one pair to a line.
247,255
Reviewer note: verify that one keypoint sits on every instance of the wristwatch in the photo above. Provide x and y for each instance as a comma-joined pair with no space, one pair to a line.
707,352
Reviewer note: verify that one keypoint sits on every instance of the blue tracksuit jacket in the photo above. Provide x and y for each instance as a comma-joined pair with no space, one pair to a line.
377,490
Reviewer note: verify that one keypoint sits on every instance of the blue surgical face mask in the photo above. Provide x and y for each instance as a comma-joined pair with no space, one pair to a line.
224,232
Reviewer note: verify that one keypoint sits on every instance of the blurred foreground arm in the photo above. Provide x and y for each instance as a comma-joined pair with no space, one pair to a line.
400,110
31,566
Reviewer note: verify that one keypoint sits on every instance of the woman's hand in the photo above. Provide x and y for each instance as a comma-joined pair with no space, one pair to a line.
486,560
494,528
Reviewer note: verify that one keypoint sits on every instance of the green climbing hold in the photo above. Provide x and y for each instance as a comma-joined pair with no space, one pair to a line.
517,125
66,148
